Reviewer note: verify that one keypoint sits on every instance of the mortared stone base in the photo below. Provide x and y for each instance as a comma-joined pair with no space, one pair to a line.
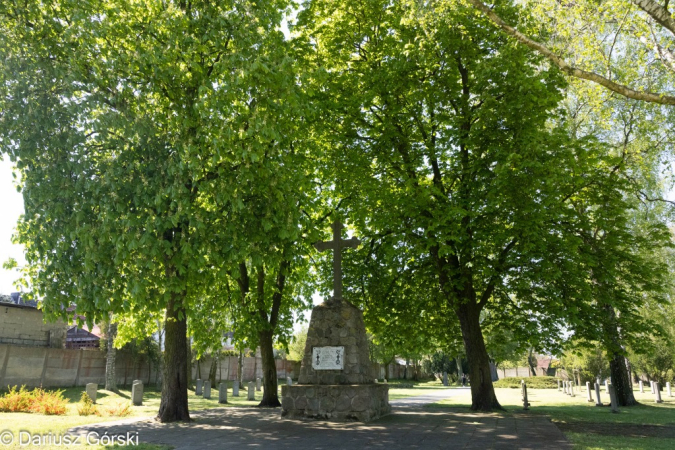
336,402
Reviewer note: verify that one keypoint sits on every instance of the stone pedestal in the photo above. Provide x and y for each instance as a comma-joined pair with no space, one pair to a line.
338,402
346,392
336,324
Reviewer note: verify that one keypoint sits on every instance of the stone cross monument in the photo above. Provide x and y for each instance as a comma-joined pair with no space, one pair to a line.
337,244
336,378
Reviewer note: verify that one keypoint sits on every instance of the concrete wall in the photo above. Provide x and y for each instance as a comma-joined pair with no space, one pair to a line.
26,326
519,372
252,368
58,368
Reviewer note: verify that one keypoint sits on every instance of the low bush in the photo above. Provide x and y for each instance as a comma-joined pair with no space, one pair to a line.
50,403
86,406
35,401
119,410
532,382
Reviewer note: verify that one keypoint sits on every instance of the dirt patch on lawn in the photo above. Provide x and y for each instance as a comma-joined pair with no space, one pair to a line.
618,429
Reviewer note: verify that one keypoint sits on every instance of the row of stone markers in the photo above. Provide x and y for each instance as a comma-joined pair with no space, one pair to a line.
656,388
567,387
136,392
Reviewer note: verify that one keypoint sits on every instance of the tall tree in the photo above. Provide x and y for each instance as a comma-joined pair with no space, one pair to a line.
128,121
443,132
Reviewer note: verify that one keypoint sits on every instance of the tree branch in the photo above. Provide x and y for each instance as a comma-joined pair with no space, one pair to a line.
621,89
659,13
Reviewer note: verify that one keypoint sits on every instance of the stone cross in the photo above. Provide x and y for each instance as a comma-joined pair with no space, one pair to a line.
337,244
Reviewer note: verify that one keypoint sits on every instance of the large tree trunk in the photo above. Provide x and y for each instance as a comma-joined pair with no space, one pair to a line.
270,388
621,381
240,368
174,404
110,376
617,362
213,369
483,396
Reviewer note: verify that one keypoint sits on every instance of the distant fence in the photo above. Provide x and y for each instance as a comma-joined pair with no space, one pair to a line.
56,367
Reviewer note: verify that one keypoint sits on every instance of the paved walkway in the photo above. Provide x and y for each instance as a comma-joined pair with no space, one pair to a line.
410,426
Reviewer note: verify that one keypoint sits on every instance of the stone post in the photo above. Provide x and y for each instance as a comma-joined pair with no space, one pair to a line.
257,384
606,385
251,390
137,393
558,385
207,389
652,386
445,378
564,387
670,393
198,389
526,404
222,393
91,391
642,387
588,391
289,381
571,388
612,398
657,392
597,394
235,388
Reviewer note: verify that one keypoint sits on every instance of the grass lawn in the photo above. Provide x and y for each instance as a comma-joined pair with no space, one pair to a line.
420,388
58,425
649,426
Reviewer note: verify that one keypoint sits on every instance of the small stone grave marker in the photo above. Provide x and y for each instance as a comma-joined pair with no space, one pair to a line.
222,393
235,388
207,389
289,381
137,393
612,398
198,389
91,391
597,394
588,390
642,387
257,384
670,393
251,390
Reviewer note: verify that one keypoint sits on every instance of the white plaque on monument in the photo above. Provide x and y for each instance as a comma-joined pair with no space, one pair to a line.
328,358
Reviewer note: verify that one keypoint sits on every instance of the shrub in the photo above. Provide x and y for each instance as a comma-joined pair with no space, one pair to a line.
532,382
119,410
86,406
16,401
50,403
36,401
